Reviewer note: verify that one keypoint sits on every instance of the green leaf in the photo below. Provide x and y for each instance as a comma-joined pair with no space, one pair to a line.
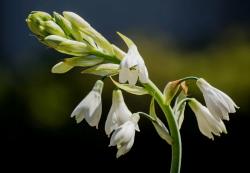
61,67
160,128
130,88
85,61
179,108
108,69
127,40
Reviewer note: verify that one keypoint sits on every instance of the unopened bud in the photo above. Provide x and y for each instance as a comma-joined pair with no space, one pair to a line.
36,20
52,28
76,20
170,91
67,46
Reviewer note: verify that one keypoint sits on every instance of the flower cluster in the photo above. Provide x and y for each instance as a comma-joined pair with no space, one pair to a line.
210,118
120,120
72,35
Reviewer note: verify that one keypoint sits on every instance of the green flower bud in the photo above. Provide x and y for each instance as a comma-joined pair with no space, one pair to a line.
103,69
70,30
54,41
76,20
86,30
61,67
63,23
67,46
52,28
35,22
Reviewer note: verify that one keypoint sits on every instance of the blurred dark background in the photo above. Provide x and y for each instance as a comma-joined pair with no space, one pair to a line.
208,38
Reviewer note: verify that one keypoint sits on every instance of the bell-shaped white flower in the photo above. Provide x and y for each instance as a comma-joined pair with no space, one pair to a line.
132,67
218,103
118,114
123,136
207,123
90,107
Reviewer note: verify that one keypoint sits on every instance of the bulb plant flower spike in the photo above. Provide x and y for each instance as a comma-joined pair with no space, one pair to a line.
70,34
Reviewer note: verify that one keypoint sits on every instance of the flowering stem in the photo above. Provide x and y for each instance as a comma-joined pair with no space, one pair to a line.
188,78
175,134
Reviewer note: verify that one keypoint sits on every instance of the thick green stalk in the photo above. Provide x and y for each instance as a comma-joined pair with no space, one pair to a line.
174,131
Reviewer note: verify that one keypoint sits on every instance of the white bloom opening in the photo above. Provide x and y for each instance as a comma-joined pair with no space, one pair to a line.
90,107
133,67
218,103
118,114
208,125
123,136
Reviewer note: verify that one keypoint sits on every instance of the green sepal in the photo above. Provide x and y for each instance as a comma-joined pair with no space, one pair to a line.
136,90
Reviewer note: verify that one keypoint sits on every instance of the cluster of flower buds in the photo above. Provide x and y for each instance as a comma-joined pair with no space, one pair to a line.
72,35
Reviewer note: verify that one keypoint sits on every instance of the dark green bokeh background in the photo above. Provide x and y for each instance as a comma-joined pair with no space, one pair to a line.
176,38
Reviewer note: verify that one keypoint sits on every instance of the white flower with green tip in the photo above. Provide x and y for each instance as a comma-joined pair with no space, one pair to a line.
90,107
207,123
118,114
218,103
132,65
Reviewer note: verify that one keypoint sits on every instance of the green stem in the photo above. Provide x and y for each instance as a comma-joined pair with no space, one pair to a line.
113,59
189,78
174,131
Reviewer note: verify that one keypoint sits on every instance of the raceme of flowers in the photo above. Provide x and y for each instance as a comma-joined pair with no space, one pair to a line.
72,35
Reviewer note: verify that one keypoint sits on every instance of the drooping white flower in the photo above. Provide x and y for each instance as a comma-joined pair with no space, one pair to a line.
218,103
207,123
118,114
123,136
90,107
133,67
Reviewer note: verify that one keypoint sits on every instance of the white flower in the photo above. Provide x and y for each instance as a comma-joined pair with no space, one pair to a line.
218,103
132,67
90,107
124,135
118,114
207,123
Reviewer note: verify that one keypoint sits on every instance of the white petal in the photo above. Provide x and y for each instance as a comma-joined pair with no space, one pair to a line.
124,75
95,117
79,117
125,148
80,111
203,127
130,59
228,100
110,125
143,73
123,134
133,76
214,105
